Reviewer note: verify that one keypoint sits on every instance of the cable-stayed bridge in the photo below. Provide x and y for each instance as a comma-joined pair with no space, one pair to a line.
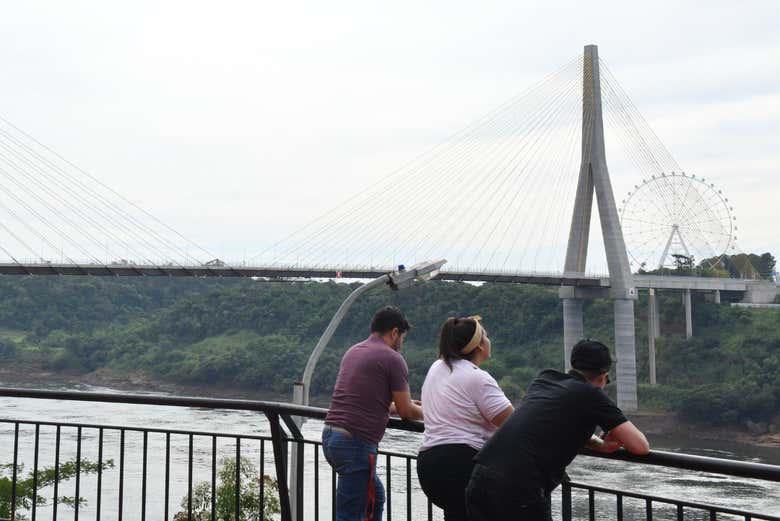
580,280
509,198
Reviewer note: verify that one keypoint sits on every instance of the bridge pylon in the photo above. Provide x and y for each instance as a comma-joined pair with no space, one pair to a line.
594,177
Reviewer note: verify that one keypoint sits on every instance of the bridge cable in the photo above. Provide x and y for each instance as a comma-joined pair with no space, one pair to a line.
433,181
105,187
441,169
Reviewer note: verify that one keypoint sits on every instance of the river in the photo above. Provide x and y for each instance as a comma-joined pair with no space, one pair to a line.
738,493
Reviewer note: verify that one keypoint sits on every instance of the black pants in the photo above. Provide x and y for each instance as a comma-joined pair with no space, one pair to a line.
490,497
444,472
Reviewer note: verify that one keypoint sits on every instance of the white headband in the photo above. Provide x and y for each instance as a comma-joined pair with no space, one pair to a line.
476,339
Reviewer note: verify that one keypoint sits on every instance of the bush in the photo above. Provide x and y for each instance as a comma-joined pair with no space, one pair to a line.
721,403
28,489
660,397
63,360
225,501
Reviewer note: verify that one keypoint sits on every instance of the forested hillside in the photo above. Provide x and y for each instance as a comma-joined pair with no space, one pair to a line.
257,335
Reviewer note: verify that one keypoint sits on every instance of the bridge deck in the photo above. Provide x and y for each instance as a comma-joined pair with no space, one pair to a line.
548,279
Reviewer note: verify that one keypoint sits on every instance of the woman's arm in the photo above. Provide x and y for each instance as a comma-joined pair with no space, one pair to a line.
501,417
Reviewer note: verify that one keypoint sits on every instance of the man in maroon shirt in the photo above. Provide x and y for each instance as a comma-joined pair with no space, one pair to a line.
373,380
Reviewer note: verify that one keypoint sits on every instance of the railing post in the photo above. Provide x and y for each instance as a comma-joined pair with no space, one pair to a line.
296,460
278,439
16,464
565,501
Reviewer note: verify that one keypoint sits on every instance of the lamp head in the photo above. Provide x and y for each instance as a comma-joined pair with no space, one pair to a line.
417,273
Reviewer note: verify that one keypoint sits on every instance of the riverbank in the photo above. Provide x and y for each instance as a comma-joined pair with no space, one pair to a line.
653,423
668,424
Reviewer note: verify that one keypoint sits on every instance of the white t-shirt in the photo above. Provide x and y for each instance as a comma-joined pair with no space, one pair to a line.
459,405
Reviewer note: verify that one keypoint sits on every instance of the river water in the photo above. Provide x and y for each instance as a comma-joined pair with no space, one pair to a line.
737,493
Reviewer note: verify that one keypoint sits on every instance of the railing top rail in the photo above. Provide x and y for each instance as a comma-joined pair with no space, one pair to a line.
662,458
743,469
267,407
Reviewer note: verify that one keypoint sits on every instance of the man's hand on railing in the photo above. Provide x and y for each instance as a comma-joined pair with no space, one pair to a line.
393,411
407,408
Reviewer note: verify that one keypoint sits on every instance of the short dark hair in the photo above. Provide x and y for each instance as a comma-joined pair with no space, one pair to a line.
455,334
388,318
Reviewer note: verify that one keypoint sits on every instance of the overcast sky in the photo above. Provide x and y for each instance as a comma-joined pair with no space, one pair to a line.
236,122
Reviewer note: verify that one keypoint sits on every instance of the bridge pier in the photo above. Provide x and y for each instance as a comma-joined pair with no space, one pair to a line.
625,349
655,325
625,336
652,333
688,313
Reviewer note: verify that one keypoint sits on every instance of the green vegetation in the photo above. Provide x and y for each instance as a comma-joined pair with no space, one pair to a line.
741,265
257,335
25,491
225,501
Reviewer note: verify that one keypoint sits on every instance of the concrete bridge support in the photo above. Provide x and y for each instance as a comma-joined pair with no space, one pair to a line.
688,313
655,325
625,349
652,328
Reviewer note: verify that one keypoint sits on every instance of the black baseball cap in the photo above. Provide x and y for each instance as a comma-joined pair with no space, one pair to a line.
591,355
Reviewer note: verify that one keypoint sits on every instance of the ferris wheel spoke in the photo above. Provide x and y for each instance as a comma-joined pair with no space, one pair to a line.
677,200
717,238
695,198
709,248
668,192
650,208
685,197
697,224
712,234
690,201
705,223
663,202
704,231
646,221
645,191
654,239
641,234
705,204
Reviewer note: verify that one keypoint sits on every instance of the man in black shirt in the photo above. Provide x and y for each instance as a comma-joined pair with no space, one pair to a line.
524,460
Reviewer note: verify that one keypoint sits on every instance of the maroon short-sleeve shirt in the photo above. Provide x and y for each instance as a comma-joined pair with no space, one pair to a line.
370,372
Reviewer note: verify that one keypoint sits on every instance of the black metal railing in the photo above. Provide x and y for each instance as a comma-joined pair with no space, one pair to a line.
151,463
648,506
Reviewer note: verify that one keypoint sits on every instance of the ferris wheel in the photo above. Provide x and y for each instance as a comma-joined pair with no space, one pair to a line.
672,215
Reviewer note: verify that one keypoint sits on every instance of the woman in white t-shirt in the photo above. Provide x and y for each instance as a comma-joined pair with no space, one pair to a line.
462,406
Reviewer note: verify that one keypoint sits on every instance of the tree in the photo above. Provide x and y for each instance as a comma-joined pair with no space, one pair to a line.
683,264
225,503
25,492
764,264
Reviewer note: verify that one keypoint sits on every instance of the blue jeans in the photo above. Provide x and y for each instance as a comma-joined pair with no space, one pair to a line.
360,495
